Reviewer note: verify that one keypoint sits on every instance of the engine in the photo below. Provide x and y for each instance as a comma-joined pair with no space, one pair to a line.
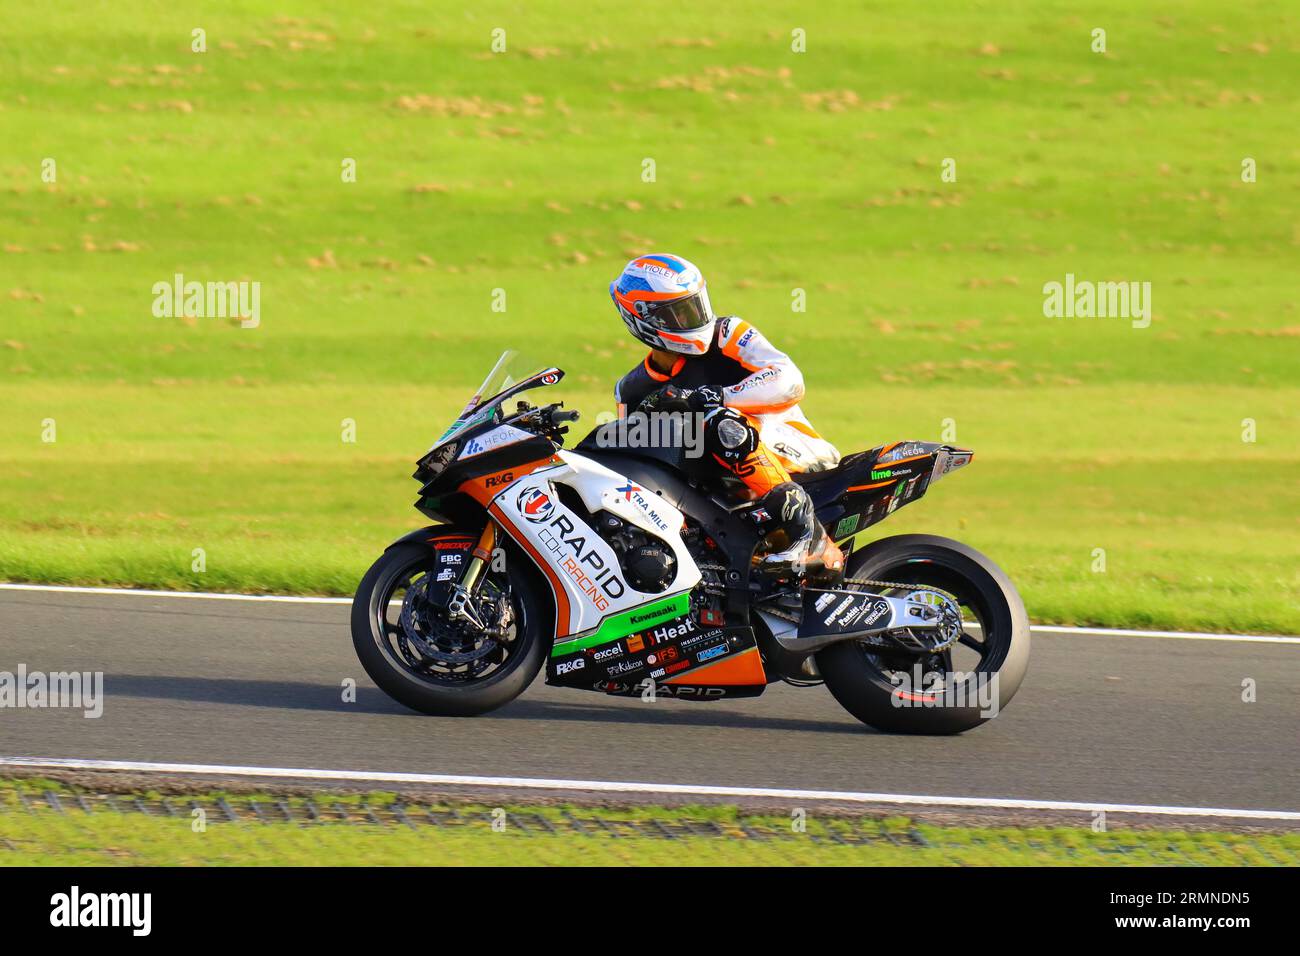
648,564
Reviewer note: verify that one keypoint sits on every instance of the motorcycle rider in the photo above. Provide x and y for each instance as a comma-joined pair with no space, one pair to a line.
747,392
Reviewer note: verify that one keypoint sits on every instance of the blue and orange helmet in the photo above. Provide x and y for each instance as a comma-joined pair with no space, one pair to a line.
664,303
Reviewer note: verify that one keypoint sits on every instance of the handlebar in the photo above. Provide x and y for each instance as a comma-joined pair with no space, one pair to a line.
559,415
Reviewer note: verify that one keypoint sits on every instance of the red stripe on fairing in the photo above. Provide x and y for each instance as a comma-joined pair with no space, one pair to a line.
562,610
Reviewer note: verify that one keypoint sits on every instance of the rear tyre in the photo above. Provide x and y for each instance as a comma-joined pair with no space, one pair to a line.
495,673
883,691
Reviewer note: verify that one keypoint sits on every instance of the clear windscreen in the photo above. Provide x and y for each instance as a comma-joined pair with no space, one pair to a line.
510,370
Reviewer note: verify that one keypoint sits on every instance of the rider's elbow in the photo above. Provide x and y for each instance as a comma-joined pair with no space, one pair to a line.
794,386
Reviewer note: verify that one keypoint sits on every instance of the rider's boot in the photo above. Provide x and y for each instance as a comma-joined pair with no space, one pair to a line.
797,544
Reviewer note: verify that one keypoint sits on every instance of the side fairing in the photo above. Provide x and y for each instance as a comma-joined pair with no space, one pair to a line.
591,593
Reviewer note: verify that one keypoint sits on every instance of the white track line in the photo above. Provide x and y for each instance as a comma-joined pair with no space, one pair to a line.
201,595
1050,629
298,599
1175,635
606,786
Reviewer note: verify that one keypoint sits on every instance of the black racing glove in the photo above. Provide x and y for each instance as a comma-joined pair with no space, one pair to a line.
672,398
705,399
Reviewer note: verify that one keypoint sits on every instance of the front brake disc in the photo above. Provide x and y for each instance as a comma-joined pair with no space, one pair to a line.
437,640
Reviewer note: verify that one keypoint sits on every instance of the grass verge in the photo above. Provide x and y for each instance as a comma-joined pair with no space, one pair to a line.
1125,476
45,823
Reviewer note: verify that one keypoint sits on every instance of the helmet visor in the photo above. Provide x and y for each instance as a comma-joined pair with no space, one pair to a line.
683,315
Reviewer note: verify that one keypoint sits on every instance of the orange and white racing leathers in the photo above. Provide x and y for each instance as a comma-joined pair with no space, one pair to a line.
759,382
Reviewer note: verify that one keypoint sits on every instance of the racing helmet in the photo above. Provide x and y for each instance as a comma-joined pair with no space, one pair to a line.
664,303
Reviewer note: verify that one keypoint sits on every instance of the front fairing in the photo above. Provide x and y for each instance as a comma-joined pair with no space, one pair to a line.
484,424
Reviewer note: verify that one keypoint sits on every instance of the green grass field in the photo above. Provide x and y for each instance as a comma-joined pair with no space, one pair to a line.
362,830
774,170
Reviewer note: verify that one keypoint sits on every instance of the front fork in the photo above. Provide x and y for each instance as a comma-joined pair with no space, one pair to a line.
459,605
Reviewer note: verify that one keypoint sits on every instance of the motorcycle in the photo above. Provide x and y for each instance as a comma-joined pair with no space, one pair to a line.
625,570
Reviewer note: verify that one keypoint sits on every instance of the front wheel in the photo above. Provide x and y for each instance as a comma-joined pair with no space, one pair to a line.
946,692
421,659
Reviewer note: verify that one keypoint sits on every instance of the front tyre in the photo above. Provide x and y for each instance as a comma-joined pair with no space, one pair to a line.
956,689
442,669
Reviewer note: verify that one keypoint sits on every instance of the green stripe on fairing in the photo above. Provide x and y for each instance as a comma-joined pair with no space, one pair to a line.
620,625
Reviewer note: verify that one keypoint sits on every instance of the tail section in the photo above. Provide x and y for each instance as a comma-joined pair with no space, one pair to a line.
871,485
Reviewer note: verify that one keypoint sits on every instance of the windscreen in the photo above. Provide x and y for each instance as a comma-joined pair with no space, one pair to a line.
510,370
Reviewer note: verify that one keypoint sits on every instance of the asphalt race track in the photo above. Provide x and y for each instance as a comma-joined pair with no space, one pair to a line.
1099,718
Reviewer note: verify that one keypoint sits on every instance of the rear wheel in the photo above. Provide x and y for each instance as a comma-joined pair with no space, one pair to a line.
946,692
420,658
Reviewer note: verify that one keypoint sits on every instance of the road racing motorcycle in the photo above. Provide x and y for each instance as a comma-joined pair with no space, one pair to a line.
623,569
